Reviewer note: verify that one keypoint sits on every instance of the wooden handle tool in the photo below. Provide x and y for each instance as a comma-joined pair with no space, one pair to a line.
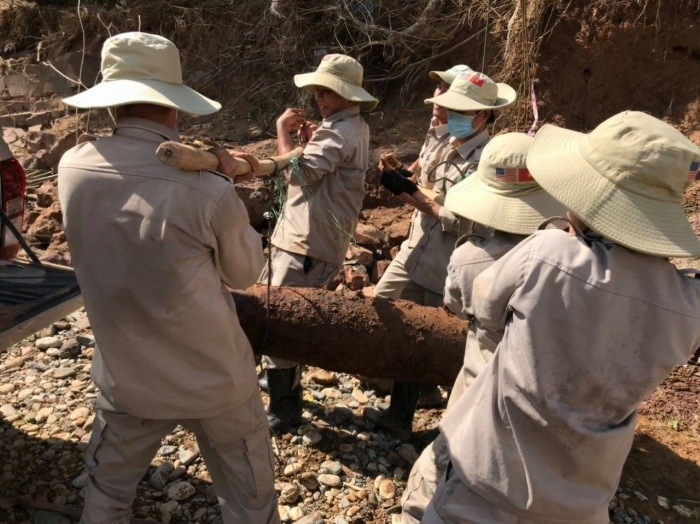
191,158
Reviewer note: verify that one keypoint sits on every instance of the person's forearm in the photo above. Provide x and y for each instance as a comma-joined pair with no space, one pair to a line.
284,140
427,205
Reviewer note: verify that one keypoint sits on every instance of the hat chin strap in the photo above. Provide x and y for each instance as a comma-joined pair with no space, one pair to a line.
550,220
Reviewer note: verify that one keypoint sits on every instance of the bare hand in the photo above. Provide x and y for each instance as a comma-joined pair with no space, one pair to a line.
389,161
228,166
306,131
292,118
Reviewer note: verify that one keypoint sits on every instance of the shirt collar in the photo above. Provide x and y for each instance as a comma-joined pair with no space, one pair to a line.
145,129
473,143
348,111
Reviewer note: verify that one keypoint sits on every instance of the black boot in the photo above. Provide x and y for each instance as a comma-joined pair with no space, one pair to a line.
398,418
284,408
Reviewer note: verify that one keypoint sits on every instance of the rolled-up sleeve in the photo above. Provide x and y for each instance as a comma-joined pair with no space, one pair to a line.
238,254
324,153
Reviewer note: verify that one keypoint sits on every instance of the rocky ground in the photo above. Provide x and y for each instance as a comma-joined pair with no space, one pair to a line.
336,468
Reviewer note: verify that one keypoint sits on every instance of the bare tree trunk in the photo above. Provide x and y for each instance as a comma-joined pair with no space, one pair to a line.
352,334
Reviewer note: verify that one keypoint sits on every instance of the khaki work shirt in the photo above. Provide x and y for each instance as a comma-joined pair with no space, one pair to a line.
436,139
590,328
466,263
154,249
431,242
324,201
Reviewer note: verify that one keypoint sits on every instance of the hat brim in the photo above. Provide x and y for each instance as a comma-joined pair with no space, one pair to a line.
513,213
643,224
456,102
345,89
122,92
445,76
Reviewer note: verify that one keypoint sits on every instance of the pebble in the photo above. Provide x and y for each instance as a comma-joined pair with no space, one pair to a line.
296,513
290,494
359,396
387,489
48,342
640,496
311,438
170,506
291,469
332,466
181,491
663,502
683,511
330,480
309,481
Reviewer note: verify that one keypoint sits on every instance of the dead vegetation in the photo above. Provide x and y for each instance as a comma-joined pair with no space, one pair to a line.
243,51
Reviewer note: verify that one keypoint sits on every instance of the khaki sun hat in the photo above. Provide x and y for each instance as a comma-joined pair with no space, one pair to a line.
449,76
342,75
625,180
474,91
142,68
501,193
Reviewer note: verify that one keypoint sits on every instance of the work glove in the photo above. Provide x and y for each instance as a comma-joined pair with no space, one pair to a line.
397,183
404,172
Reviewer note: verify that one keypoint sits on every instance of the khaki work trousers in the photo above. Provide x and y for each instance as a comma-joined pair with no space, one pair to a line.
295,270
235,446
429,468
455,503
396,283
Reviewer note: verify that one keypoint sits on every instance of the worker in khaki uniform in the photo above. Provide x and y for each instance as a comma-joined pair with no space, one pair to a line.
593,319
155,265
503,198
418,271
322,209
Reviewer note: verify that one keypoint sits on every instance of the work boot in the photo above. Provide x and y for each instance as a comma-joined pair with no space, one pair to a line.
398,418
429,397
284,408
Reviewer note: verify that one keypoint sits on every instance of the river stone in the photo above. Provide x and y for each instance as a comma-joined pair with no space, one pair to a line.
332,481
48,342
181,491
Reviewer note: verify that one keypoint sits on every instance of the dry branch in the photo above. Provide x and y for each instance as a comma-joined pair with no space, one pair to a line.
349,333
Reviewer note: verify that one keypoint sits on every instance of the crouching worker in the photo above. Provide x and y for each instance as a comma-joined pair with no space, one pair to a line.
504,199
323,203
154,266
593,319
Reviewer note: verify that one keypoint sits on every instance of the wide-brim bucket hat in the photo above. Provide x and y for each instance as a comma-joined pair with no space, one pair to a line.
625,180
449,75
501,193
342,75
474,91
142,68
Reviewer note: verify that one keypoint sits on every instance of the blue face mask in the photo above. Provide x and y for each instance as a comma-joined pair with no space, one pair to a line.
458,125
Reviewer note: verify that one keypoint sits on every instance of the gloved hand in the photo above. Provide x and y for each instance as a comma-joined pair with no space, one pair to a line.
404,172
397,183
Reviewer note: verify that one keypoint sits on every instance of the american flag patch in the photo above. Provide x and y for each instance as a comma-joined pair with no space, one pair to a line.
517,175
476,80
693,171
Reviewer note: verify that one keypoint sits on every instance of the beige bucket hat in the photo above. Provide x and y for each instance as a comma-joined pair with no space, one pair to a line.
142,68
625,180
501,193
449,76
474,91
342,75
